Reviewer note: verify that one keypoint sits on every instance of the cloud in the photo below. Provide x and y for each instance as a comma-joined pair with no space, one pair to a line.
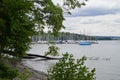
96,12
98,17
97,7
104,25
117,21
90,21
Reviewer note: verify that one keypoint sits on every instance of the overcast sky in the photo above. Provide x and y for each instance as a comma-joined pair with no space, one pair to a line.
98,17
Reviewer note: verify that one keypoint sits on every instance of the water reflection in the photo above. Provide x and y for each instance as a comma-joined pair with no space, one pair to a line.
99,58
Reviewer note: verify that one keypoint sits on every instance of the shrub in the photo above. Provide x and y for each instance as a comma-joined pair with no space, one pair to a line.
7,72
68,69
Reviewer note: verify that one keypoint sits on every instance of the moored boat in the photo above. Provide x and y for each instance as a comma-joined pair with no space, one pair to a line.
85,43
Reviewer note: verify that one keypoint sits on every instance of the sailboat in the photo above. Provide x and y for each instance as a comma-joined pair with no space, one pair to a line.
85,41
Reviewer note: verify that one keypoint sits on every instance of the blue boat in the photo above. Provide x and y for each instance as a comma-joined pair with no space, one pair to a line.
85,43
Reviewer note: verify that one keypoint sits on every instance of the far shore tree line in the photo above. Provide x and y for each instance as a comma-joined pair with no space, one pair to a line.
64,36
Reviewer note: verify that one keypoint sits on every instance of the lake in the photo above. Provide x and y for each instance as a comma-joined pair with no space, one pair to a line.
105,57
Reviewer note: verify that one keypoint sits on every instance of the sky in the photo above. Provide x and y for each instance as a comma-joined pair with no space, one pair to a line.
97,18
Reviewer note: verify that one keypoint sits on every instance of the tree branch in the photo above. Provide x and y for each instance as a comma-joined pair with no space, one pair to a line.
32,56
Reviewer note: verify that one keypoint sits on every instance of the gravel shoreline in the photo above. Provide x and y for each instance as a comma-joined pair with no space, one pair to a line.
35,75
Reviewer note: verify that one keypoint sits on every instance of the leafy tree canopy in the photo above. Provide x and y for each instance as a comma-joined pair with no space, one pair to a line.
20,19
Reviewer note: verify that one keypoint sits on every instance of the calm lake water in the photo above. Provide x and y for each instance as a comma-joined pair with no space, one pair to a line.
105,57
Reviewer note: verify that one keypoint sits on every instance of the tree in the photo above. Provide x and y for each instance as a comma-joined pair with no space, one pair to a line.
16,26
68,69
52,50
20,19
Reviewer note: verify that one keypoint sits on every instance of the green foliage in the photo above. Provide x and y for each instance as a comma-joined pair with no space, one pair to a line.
20,19
9,69
53,50
24,75
16,26
72,4
7,72
13,61
67,69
